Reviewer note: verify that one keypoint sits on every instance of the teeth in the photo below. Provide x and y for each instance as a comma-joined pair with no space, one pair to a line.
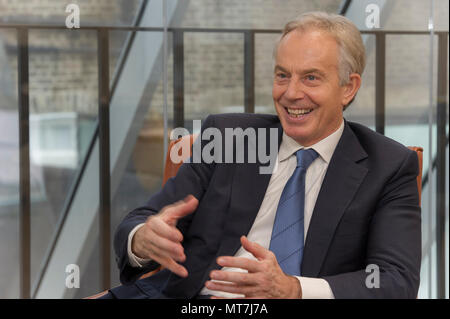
298,111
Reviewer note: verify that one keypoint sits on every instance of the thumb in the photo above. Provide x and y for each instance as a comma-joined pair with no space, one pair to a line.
255,249
180,209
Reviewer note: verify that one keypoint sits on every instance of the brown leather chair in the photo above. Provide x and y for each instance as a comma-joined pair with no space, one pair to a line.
419,152
171,169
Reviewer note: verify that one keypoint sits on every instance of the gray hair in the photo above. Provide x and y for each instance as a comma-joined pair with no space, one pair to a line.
352,57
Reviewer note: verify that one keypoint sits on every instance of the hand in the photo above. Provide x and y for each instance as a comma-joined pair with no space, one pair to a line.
160,240
265,278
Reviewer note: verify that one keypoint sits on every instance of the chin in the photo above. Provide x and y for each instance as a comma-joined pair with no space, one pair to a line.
300,135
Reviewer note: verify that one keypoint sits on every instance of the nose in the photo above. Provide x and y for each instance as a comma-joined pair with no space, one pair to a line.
294,90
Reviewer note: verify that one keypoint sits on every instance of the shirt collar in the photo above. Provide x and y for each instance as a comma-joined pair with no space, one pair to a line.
325,148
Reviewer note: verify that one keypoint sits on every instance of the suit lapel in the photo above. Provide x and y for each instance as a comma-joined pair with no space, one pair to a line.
342,180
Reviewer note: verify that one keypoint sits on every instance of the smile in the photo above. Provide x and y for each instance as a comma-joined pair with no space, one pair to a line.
298,112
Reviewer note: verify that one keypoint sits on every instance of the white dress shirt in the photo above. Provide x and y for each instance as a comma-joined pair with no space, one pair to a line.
261,229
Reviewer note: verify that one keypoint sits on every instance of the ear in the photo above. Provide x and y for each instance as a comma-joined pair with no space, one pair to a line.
351,88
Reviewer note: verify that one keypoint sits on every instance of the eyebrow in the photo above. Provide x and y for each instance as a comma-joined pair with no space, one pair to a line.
307,71
278,67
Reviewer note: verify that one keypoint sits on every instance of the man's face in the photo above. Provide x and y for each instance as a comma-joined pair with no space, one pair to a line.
306,91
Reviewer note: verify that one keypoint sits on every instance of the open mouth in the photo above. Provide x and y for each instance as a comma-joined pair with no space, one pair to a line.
298,112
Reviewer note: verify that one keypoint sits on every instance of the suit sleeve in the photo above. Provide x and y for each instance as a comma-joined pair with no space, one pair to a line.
191,179
394,243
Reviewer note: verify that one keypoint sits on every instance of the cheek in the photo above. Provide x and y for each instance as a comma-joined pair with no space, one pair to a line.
324,96
277,91
333,95
317,95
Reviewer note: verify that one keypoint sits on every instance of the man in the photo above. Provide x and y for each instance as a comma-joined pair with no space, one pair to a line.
215,228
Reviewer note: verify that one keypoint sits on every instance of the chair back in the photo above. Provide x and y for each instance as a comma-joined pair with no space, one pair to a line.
171,168
419,152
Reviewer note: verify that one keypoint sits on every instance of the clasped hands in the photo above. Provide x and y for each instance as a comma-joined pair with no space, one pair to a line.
160,240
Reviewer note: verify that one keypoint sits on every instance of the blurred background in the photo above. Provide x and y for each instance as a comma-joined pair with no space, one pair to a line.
169,63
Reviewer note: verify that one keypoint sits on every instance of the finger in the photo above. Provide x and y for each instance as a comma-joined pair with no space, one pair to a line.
166,247
255,249
177,268
229,287
171,264
160,227
250,265
148,250
234,277
180,209
164,253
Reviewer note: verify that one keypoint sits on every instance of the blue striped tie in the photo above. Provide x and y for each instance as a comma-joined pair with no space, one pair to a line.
287,240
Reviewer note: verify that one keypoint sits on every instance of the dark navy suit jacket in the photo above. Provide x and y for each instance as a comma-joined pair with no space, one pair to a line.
367,212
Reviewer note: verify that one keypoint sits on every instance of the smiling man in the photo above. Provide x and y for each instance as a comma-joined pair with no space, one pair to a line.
342,197
309,89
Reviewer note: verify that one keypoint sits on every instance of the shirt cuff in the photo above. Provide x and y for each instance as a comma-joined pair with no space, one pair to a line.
315,288
134,260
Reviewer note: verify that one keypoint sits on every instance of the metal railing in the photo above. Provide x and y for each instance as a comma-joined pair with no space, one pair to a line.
102,131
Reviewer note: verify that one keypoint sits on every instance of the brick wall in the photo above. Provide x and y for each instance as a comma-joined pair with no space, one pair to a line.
53,11
214,63
63,65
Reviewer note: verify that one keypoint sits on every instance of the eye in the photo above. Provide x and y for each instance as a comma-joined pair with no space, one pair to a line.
312,80
281,75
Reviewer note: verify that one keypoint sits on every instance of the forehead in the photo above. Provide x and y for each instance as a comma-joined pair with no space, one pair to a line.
308,49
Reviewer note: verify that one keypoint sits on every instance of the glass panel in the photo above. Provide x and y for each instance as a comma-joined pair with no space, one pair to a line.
128,12
441,15
63,107
428,279
408,90
53,12
63,111
214,74
407,115
446,225
256,14
9,167
90,272
406,15
362,109
264,64
225,86
411,95
142,165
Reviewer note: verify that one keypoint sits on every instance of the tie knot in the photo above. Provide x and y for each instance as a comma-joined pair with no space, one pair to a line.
306,157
